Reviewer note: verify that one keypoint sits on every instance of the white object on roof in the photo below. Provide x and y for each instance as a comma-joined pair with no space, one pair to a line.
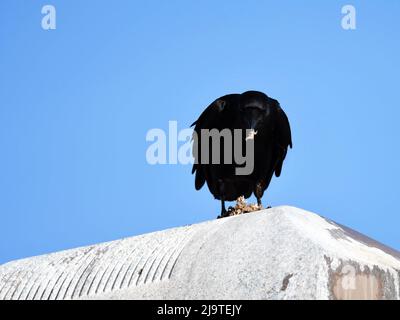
279,253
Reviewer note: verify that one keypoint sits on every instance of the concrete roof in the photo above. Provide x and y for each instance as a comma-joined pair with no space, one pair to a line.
279,253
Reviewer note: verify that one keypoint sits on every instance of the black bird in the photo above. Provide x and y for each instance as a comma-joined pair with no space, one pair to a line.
262,120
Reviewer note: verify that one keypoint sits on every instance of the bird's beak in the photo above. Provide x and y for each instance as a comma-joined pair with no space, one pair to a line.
251,134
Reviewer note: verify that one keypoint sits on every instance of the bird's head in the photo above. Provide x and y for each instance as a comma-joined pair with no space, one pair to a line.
254,111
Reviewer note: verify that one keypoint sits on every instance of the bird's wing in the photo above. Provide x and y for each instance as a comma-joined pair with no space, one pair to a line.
282,139
215,116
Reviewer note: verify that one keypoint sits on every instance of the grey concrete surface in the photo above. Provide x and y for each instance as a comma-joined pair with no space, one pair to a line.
279,253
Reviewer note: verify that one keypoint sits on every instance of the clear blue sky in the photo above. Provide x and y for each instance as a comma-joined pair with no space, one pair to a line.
76,104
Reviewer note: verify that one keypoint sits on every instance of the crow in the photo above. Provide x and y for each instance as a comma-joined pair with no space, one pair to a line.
263,123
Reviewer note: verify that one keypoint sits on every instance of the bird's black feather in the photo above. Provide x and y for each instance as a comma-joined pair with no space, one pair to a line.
242,111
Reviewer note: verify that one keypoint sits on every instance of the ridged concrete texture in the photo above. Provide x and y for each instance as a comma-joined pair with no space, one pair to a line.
279,253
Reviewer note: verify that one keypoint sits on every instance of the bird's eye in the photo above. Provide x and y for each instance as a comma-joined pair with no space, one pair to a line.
221,104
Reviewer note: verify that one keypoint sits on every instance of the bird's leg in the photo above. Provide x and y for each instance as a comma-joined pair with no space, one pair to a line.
224,213
258,192
221,185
